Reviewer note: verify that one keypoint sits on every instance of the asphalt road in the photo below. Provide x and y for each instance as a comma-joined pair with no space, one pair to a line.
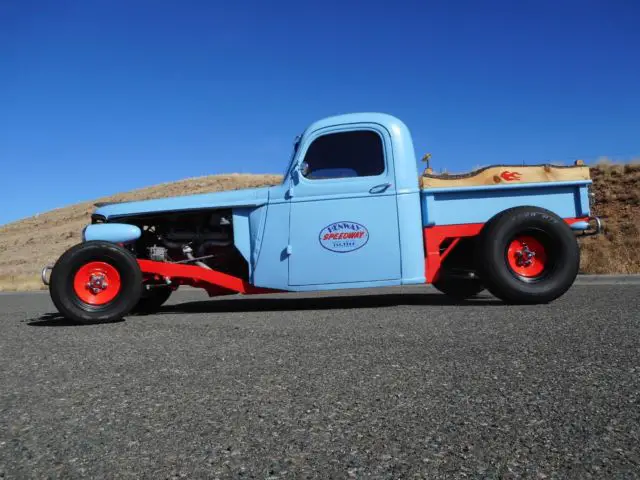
396,383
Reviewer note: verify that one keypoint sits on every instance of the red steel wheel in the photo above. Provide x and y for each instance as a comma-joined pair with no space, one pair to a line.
97,283
527,257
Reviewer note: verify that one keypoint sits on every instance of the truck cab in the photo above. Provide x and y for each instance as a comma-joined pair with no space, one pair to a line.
350,201
352,211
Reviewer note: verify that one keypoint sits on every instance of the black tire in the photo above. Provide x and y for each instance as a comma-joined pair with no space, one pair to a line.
152,299
71,305
459,288
559,258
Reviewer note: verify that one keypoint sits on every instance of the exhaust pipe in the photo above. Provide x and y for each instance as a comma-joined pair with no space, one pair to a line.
45,275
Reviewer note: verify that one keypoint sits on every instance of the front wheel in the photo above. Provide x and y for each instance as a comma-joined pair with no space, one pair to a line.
95,282
528,255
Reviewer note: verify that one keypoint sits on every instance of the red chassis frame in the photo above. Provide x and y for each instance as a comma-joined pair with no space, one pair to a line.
218,283
214,282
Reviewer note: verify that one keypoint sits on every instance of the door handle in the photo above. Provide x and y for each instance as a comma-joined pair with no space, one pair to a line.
380,188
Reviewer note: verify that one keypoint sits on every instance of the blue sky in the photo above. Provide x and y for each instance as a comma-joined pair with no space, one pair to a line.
103,96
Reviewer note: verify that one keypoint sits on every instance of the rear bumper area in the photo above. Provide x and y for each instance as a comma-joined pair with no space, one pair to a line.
589,227
597,227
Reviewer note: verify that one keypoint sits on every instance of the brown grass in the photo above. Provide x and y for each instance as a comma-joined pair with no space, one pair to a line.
29,244
617,202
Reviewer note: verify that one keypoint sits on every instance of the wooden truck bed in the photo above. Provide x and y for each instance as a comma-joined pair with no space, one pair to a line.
506,174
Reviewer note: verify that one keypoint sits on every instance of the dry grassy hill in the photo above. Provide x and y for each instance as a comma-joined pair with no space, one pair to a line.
27,245
617,202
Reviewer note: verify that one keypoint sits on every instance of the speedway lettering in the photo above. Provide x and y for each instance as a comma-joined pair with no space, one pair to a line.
340,236
343,237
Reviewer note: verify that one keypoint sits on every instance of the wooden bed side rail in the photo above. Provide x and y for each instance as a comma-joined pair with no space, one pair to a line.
507,174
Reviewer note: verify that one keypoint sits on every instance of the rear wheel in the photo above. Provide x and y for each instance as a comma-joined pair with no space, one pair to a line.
95,282
528,255
459,288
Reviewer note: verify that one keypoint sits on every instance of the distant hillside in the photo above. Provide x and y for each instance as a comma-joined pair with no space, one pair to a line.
617,202
27,245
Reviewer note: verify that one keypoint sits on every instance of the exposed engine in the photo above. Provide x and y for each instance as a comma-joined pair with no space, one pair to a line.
203,238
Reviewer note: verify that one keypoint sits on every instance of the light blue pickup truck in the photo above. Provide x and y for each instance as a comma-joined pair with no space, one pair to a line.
353,211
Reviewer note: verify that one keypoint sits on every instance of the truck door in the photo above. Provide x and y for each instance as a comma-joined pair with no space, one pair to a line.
344,216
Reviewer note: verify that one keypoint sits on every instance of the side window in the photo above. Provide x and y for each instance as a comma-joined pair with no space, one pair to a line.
345,154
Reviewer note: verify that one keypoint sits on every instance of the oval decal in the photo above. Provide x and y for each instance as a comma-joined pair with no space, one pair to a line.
343,237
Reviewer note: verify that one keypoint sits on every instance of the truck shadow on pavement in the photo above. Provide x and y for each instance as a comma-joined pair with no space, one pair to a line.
263,304
55,319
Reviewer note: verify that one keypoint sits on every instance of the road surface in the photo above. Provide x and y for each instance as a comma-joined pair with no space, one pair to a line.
394,383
